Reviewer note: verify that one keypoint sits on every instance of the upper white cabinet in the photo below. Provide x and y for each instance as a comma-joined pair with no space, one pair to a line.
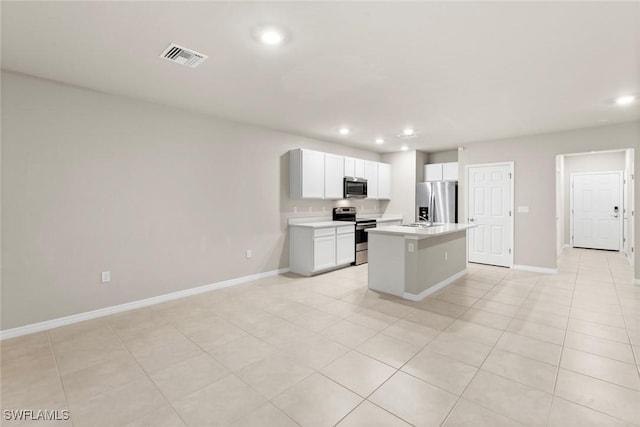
384,181
450,171
433,172
371,175
353,167
333,176
306,174
317,175
441,172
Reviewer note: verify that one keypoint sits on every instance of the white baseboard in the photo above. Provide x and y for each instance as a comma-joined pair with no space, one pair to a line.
566,246
101,312
435,288
535,269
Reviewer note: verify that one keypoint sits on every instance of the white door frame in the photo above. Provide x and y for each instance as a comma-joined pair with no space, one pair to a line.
621,208
512,171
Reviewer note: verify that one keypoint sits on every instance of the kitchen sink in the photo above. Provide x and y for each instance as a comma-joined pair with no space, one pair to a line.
422,225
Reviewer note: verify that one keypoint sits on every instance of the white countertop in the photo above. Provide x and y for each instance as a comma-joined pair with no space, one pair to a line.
321,224
326,222
417,233
381,218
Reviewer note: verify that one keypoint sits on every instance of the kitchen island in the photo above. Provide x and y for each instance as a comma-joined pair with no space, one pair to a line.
414,262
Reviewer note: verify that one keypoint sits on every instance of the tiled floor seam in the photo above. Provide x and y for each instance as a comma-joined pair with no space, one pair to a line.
473,378
564,338
148,377
55,362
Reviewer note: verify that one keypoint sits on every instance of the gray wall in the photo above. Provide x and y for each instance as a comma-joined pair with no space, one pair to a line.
597,162
443,157
403,184
163,198
535,157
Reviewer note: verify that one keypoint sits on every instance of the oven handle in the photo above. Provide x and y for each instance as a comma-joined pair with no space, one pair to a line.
362,227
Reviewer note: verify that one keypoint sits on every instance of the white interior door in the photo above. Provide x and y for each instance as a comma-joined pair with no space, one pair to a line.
489,203
597,210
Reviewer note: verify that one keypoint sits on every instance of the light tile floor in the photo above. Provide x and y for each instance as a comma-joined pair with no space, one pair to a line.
497,348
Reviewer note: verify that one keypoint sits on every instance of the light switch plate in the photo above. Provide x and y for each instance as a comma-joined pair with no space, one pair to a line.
105,277
523,209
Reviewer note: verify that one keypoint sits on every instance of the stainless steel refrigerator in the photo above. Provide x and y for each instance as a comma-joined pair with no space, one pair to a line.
437,201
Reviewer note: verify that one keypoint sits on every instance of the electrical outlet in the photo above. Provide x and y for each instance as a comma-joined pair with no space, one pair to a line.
249,254
105,277
410,247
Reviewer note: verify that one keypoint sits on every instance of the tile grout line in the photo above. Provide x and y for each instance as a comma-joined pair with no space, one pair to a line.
64,390
626,327
564,338
479,368
148,377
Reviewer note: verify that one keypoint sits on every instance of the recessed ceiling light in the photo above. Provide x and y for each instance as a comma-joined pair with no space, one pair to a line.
625,100
408,133
344,131
271,37
404,148
379,141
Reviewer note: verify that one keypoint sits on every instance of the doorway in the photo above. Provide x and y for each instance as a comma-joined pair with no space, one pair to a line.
569,165
490,208
596,210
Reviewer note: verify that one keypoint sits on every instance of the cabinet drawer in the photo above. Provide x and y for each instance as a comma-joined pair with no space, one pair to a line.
321,232
346,229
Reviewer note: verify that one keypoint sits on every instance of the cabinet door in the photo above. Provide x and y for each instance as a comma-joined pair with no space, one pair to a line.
349,166
450,171
345,248
433,172
333,174
359,171
371,174
312,174
384,181
324,252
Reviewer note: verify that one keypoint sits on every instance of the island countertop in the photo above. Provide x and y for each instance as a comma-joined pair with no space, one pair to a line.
417,233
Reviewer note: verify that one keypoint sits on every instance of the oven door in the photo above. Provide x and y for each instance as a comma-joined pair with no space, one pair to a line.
362,240
355,188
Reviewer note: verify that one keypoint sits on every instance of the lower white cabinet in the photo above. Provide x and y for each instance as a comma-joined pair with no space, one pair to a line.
324,252
345,248
313,250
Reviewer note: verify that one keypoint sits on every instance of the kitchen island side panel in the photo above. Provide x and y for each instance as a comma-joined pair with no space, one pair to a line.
387,264
435,260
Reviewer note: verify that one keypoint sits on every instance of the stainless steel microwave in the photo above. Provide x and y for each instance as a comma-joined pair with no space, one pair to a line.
355,188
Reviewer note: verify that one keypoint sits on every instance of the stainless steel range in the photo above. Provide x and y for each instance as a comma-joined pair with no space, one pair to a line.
362,245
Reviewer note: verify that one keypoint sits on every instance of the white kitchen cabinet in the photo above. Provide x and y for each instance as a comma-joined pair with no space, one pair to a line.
441,172
433,172
317,175
306,180
324,252
371,175
353,167
349,166
333,176
450,171
345,248
384,181
314,250
359,168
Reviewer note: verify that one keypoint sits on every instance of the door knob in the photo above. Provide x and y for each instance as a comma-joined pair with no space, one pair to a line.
471,219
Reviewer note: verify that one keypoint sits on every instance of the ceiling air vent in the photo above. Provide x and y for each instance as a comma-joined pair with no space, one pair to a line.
183,56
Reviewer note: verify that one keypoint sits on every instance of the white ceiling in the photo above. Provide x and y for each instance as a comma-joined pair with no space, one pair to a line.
458,72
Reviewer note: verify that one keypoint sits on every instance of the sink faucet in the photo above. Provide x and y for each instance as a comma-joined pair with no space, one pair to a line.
422,218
